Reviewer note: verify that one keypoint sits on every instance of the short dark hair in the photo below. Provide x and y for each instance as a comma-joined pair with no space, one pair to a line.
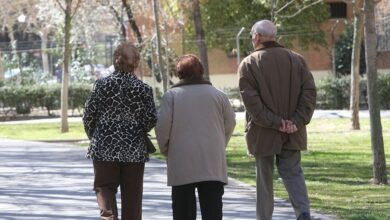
189,67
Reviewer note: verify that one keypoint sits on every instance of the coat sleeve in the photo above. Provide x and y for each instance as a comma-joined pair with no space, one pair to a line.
229,118
259,113
150,118
164,123
92,110
307,98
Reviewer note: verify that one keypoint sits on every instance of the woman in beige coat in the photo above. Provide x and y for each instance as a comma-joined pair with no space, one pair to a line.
194,125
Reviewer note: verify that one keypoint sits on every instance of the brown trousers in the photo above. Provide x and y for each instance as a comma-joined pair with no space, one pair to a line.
129,176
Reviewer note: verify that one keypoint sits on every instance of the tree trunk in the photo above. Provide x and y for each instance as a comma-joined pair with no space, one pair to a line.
379,161
132,21
159,54
14,48
45,57
355,63
200,38
1,66
65,70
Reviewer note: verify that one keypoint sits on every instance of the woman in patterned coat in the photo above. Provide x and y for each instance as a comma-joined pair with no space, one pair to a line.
118,113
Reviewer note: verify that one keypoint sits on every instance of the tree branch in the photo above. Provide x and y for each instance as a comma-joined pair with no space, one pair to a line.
61,6
118,19
302,9
75,9
132,21
284,6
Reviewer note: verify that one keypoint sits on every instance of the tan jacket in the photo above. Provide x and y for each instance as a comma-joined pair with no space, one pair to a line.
194,125
276,83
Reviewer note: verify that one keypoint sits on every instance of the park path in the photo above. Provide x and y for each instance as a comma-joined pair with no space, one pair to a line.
50,181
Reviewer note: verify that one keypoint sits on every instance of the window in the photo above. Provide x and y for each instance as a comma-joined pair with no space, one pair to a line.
338,10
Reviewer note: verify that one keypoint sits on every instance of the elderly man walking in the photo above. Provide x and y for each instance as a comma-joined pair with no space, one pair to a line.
279,94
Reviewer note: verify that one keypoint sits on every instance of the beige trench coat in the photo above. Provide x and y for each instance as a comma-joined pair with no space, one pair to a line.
194,125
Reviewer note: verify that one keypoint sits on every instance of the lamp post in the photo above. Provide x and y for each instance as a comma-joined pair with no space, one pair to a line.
238,45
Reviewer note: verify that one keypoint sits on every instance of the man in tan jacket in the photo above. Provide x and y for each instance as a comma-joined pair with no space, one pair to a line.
279,95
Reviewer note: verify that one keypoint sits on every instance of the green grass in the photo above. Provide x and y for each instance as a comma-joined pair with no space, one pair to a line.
337,166
44,131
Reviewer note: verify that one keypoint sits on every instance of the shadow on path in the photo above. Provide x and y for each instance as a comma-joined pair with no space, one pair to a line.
54,181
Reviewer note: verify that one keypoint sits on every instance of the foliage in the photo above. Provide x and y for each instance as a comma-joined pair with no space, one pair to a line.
80,73
48,96
384,90
168,55
23,98
78,94
223,19
343,53
304,27
22,69
334,93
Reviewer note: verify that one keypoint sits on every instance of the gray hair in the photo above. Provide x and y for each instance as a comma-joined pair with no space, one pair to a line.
264,27
126,57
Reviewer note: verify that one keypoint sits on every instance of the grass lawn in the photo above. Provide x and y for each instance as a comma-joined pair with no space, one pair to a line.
44,131
337,166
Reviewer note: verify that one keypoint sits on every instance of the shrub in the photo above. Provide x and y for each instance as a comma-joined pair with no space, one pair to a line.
78,94
48,96
384,90
22,98
333,93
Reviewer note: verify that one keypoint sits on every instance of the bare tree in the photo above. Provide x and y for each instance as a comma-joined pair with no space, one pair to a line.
200,37
355,62
69,9
133,23
118,19
378,152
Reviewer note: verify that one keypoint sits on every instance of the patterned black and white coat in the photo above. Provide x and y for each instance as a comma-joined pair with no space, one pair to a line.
117,113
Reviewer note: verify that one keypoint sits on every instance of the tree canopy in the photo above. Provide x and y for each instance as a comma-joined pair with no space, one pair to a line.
222,21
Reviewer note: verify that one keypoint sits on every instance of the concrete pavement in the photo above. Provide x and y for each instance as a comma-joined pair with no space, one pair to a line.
239,116
54,181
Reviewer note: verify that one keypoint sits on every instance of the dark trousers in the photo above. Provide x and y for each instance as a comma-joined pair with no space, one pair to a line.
129,176
210,199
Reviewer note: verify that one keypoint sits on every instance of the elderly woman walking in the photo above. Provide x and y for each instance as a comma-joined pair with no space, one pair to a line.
194,125
118,114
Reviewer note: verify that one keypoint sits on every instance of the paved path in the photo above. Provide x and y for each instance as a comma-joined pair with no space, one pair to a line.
53,181
239,116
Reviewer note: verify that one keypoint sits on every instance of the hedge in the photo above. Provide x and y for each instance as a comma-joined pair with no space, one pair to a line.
23,98
333,93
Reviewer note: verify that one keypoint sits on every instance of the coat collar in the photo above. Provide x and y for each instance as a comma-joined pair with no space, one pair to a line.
269,44
185,82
